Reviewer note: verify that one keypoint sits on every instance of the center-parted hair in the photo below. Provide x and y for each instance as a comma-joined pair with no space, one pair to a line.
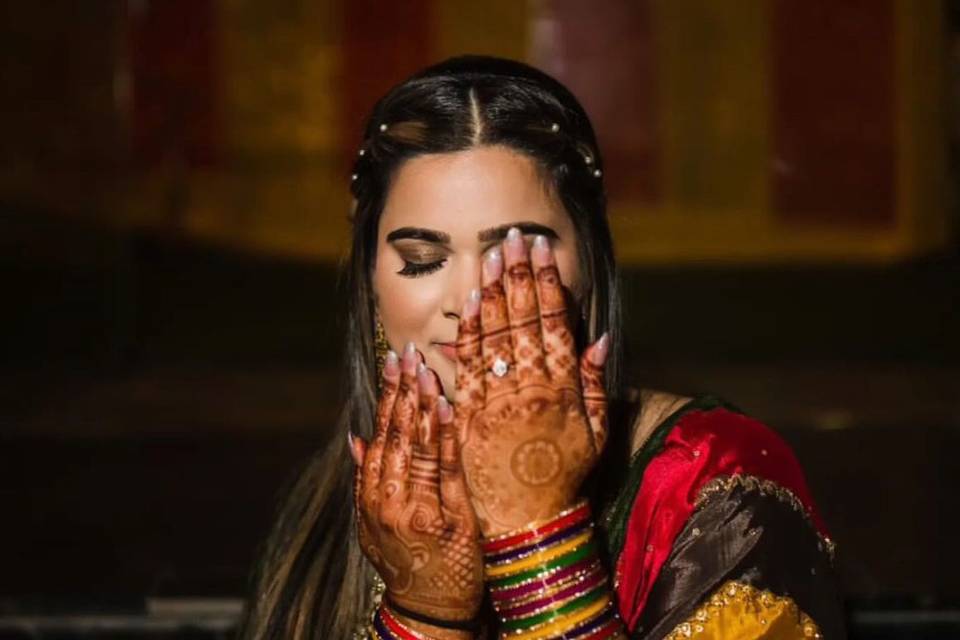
313,581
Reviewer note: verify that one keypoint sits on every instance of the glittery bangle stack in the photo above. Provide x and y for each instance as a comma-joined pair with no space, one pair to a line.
546,581
385,626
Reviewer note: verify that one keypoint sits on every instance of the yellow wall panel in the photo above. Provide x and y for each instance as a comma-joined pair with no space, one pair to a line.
713,104
492,27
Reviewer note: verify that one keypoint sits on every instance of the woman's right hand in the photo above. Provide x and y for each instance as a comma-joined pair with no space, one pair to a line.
415,520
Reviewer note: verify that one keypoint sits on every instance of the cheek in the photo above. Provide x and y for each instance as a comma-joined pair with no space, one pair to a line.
405,305
569,267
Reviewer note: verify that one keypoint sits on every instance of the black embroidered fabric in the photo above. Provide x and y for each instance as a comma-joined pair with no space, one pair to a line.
755,538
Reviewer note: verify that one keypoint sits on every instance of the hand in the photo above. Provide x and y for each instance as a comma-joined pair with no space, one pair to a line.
415,521
531,436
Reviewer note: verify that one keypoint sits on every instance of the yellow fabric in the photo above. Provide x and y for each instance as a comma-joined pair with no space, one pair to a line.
552,629
738,611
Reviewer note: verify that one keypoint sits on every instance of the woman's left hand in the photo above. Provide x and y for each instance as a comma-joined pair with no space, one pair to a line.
532,433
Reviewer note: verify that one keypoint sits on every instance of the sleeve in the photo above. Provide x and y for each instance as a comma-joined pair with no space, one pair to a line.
748,563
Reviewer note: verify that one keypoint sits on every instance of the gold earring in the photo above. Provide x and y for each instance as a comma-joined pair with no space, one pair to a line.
381,347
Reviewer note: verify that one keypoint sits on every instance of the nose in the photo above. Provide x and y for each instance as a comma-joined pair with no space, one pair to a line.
464,276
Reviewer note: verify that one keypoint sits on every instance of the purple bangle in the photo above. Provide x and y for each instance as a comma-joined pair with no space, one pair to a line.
540,544
531,587
540,603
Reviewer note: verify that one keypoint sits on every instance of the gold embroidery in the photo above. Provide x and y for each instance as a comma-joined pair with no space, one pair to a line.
737,610
724,484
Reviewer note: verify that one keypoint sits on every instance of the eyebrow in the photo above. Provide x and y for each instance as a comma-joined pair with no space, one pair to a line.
499,233
416,233
487,235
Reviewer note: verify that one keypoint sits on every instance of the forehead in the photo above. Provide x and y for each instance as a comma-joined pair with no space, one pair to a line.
465,192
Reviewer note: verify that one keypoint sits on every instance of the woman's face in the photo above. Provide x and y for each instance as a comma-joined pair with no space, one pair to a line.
443,213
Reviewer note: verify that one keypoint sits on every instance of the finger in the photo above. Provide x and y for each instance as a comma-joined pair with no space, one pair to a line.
594,392
357,451
424,479
396,454
523,311
357,447
454,498
361,517
428,390
558,345
373,460
469,394
495,328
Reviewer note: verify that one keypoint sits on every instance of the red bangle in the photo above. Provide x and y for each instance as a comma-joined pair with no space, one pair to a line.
396,628
579,512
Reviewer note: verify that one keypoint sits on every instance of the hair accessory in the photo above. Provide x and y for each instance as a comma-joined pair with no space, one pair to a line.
597,173
546,580
555,127
383,127
500,367
362,152
353,177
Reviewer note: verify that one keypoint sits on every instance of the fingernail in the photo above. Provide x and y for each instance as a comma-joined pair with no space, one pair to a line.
541,248
601,349
492,265
410,357
444,411
391,365
472,305
352,447
515,249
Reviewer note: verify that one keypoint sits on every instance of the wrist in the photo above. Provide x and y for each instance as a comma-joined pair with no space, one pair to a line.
392,622
546,580
434,632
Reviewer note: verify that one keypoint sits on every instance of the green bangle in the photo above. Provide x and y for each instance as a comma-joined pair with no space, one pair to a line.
548,616
566,560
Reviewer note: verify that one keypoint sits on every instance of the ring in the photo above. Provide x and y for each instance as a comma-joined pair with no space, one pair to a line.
499,368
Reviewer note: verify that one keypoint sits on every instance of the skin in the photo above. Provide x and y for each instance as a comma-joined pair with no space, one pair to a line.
512,449
462,195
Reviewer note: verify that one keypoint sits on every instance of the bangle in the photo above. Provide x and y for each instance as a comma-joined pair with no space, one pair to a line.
581,511
470,624
389,628
546,581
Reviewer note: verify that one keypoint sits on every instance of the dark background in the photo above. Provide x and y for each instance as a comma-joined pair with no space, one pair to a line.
160,383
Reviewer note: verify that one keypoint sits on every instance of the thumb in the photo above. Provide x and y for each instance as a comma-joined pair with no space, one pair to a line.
592,374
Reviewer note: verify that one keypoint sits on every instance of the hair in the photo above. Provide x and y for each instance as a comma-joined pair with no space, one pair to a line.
312,581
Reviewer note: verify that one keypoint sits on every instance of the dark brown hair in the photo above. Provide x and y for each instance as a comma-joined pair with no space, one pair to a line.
312,581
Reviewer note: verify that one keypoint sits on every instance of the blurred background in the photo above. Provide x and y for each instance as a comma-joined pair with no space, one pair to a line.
173,206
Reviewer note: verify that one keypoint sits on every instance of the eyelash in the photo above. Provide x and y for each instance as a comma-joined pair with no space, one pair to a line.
415,270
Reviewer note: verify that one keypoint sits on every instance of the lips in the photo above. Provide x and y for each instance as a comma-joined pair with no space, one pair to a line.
448,349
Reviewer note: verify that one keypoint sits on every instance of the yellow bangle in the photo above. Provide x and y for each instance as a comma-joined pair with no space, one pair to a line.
563,625
540,557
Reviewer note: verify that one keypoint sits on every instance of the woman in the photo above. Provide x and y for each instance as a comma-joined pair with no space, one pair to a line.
501,479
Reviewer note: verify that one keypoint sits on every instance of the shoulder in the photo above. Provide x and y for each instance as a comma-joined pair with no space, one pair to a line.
699,466
655,408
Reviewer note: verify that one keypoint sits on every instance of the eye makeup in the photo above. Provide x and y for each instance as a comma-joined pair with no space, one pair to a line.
419,258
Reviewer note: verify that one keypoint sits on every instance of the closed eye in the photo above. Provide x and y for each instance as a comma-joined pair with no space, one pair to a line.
418,269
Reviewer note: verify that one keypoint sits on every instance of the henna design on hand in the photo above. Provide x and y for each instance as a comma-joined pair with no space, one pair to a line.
530,440
415,521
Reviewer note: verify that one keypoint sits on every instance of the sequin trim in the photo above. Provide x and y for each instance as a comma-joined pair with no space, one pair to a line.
763,603
725,484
